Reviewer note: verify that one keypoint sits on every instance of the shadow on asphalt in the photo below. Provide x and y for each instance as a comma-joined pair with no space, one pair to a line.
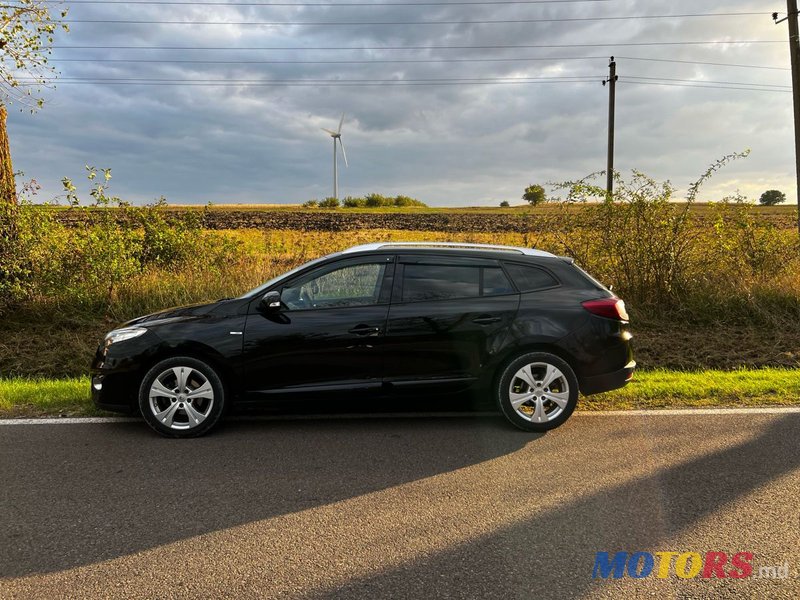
78,494
75,495
551,556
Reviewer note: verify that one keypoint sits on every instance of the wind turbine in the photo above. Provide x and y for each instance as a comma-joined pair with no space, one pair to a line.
337,135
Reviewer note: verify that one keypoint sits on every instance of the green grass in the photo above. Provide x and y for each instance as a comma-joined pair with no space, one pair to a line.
674,389
21,397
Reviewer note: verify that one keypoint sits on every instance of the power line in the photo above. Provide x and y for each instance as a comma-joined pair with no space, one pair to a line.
697,62
472,47
329,4
393,23
321,84
400,82
318,62
710,87
705,81
401,61
307,80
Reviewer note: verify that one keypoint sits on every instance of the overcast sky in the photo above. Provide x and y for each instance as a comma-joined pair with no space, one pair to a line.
451,144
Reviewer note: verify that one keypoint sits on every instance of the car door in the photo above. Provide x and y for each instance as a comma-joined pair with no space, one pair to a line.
327,334
448,317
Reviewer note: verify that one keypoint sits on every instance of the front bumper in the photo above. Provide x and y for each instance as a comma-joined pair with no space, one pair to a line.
115,379
114,392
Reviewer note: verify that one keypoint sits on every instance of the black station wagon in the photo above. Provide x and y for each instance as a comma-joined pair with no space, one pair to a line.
525,328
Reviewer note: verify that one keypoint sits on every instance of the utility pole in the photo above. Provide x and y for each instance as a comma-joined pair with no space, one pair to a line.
612,85
794,53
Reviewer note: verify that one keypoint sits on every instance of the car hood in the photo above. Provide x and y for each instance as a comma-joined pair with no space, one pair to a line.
178,313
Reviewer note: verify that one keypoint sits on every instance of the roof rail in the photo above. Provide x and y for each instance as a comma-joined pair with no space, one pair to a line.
447,245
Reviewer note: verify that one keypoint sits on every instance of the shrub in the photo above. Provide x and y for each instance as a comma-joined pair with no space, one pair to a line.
404,201
659,260
329,202
377,201
311,204
351,202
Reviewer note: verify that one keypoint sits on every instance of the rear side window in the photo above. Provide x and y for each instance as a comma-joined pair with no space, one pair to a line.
528,279
495,282
442,282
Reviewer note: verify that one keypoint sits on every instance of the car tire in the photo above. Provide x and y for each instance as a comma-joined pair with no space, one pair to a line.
182,397
537,391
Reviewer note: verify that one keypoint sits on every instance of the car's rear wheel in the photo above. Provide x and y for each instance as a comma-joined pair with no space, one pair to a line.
181,397
537,391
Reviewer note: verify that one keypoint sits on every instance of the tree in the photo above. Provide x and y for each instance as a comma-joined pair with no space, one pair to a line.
26,35
504,204
772,197
27,30
534,194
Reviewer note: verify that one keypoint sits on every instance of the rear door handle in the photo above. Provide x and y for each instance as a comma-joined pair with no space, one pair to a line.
364,330
486,320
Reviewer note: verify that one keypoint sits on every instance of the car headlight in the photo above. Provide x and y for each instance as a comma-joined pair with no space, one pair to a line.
120,335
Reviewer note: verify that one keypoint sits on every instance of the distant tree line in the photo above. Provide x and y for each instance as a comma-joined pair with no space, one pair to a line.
368,201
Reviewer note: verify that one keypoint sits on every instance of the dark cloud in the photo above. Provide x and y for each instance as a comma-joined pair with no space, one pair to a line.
446,145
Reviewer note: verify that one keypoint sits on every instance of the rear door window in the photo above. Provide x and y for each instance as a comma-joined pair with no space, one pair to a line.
440,282
423,282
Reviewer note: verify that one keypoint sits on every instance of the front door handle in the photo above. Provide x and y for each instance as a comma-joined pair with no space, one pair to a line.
486,320
364,330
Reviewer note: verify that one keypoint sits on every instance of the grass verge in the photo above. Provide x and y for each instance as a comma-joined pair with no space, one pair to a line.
660,388
23,397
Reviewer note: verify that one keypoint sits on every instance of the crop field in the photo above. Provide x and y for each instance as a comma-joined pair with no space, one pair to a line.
521,219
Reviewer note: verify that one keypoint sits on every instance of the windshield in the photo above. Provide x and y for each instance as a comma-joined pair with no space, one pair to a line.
265,286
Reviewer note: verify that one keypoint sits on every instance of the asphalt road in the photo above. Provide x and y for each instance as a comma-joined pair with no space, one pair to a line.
395,507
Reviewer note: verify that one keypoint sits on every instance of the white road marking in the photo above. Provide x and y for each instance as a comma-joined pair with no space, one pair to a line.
666,412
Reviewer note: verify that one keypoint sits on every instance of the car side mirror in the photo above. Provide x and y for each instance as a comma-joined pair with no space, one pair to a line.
271,301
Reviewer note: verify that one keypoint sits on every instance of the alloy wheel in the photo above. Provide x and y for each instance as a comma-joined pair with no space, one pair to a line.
539,392
181,398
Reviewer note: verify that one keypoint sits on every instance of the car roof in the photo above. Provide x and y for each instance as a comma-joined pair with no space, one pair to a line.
448,247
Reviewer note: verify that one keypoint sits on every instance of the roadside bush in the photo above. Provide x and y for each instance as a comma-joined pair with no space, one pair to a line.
86,267
661,261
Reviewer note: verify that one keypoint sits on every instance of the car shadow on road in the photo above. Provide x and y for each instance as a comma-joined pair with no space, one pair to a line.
78,494
552,555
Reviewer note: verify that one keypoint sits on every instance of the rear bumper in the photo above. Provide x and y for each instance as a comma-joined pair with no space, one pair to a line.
608,381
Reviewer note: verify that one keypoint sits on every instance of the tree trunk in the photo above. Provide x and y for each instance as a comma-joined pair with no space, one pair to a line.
8,215
8,189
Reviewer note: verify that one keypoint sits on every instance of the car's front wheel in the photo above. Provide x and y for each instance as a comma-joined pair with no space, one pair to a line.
537,391
181,397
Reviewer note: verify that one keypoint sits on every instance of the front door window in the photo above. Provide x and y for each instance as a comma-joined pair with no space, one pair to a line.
354,285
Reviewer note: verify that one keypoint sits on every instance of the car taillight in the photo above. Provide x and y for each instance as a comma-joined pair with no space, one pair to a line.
610,308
